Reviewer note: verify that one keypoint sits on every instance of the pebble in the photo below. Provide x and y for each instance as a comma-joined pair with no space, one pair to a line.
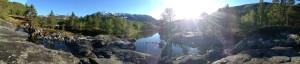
13,55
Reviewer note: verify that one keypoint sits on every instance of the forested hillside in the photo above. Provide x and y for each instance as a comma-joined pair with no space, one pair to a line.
118,24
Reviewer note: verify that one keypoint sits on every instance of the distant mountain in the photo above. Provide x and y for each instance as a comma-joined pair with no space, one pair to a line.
134,17
131,17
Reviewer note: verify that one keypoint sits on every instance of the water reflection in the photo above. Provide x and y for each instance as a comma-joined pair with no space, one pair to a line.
56,46
20,30
157,47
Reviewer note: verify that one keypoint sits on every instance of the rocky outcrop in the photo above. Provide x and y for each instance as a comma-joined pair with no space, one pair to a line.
290,40
131,57
271,45
112,41
82,48
118,56
264,39
264,56
208,58
99,48
14,49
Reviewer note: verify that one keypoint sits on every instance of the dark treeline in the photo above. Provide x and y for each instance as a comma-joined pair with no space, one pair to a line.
102,24
95,24
91,25
11,8
278,13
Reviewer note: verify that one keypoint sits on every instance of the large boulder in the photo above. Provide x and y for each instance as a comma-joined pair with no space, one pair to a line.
112,41
103,52
113,60
269,37
14,49
120,55
81,48
131,57
263,56
207,58
271,45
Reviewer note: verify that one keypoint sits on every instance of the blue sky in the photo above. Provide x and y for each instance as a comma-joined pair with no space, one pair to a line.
149,7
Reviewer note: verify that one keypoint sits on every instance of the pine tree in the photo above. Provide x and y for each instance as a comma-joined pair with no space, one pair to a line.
289,10
90,21
73,20
4,4
97,21
274,14
280,11
261,14
109,26
52,20
30,12
168,15
249,21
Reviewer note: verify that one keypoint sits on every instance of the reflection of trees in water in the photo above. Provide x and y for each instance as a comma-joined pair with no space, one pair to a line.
185,49
166,54
51,46
203,43
147,33
167,50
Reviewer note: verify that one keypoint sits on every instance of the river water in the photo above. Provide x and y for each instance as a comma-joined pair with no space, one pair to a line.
154,46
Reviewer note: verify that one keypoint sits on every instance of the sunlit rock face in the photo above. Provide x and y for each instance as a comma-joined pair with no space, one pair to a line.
14,49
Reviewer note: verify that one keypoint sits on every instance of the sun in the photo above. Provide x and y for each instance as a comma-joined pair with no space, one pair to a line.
190,9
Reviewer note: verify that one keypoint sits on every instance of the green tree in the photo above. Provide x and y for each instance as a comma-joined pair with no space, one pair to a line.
168,15
52,20
31,16
274,15
30,12
123,25
97,20
118,26
4,4
38,22
129,29
249,21
63,26
90,21
261,14
3,8
72,20
280,12
17,8
81,25
109,26
289,10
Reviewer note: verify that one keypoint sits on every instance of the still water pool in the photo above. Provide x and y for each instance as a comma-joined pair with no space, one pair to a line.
154,46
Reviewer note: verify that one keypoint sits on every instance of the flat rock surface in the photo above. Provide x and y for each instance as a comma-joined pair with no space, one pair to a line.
263,56
14,49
